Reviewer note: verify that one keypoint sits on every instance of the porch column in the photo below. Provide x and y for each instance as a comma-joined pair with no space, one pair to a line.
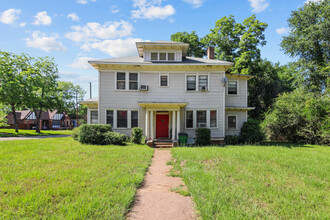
147,124
152,124
173,125
178,124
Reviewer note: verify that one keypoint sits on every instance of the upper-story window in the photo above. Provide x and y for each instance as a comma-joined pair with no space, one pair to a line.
163,80
127,81
232,87
162,56
197,82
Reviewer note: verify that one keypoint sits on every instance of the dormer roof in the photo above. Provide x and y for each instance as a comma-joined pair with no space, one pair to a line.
162,45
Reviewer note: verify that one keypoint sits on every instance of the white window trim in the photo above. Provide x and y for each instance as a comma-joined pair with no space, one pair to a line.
168,80
129,117
232,129
197,81
208,118
236,80
127,81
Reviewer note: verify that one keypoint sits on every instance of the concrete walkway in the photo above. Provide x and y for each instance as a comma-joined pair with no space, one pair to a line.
154,199
31,137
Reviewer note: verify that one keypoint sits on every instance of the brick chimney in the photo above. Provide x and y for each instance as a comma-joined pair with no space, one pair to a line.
210,53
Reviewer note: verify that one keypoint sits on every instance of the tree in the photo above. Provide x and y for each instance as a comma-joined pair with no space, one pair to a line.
42,87
196,47
225,38
308,41
4,110
14,70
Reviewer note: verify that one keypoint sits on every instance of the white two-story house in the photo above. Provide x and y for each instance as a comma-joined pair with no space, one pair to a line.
165,92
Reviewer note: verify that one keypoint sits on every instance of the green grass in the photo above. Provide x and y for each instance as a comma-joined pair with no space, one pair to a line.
11,132
257,182
58,178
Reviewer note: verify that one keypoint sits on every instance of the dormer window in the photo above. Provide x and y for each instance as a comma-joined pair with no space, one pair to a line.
162,56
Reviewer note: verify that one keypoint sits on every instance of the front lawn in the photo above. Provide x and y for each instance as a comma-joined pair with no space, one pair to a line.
263,182
11,132
62,179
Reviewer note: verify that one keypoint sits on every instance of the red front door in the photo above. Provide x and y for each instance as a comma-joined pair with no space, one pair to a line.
162,126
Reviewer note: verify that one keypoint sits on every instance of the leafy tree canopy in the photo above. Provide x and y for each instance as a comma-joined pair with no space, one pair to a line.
196,47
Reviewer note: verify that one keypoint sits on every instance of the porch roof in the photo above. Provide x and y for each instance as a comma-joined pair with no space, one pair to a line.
165,106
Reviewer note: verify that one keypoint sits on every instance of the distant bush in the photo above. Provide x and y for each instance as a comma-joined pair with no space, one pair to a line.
251,132
100,135
203,136
137,134
75,134
232,139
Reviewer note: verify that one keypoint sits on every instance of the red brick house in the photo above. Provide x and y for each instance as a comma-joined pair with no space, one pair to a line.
48,120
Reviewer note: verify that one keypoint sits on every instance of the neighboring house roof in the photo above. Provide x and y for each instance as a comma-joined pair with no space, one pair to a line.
136,60
25,114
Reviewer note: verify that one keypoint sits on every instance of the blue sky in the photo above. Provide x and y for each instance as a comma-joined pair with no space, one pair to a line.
74,31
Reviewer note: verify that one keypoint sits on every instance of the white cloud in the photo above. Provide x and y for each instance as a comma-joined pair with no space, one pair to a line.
282,30
82,63
195,3
22,24
46,43
73,16
115,48
308,1
151,10
93,30
84,1
42,18
258,5
10,16
114,9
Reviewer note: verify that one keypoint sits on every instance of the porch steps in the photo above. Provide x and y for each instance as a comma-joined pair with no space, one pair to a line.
163,144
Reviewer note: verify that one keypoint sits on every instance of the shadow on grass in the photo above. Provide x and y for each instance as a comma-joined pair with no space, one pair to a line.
263,144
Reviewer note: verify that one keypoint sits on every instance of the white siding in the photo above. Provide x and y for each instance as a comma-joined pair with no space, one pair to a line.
127,100
239,100
241,118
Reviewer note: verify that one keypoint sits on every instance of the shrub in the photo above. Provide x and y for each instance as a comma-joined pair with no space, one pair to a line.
115,138
232,139
137,134
203,136
251,132
75,134
93,134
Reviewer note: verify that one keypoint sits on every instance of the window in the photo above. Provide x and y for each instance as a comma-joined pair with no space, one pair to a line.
189,119
232,120
202,81
201,119
110,117
133,81
121,81
162,56
191,83
170,56
232,87
121,119
134,119
94,117
154,56
213,118
163,80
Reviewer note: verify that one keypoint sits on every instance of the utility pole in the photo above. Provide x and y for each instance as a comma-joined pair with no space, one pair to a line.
77,108
90,90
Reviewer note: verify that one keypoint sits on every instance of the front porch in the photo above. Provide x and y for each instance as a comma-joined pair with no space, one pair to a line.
162,122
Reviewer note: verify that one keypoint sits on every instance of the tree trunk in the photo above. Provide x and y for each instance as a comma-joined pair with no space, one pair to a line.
38,116
15,118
